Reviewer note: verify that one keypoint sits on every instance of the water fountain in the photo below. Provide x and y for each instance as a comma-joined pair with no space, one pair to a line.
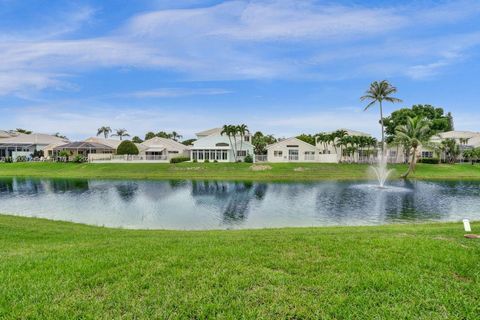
381,171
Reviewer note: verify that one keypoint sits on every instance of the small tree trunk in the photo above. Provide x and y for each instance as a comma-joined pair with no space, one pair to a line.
411,167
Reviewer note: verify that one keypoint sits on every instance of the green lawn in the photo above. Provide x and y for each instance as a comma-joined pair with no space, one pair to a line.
61,270
229,171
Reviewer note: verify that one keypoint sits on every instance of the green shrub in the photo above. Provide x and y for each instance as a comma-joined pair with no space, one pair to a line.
195,161
179,159
8,160
21,159
127,147
206,161
215,161
429,160
79,159
248,159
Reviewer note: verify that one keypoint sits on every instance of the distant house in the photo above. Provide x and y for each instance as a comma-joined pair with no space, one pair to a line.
213,146
464,139
113,143
83,148
161,149
291,150
26,144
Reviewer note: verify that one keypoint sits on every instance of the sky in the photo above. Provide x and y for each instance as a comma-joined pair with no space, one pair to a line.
282,67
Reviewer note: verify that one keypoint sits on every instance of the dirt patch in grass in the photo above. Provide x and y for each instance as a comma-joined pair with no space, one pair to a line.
260,167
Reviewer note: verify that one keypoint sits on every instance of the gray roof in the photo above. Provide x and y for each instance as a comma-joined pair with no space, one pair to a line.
32,139
83,145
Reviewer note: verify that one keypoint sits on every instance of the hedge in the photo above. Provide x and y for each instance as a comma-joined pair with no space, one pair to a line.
127,147
179,159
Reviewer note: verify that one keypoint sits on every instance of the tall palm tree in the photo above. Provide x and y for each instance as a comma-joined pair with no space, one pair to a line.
413,134
176,136
105,131
230,130
379,92
242,130
121,133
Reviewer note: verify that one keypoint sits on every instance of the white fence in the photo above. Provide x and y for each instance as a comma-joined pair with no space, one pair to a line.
107,157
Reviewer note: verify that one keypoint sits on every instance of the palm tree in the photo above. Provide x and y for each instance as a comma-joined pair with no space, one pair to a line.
413,134
242,130
120,133
176,136
230,130
379,92
104,130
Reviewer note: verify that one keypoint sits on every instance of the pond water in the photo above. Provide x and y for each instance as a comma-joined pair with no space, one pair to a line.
233,205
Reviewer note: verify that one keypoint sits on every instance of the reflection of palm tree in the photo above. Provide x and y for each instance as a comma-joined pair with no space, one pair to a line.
121,133
104,130
127,191
379,92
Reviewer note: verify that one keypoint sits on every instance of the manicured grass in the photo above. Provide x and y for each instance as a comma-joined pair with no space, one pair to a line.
61,270
230,171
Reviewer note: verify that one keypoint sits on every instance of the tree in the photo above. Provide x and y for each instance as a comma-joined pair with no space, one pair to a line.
163,134
127,147
104,130
261,141
242,130
413,134
176,136
19,130
61,136
231,131
377,93
136,139
472,155
121,133
308,138
189,142
451,150
439,121
149,135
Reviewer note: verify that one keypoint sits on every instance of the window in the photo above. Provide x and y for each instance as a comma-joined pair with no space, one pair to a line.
246,138
309,155
277,153
200,154
172,151
427,154
393,153
224,155
222,144
241,153
292,146
293,154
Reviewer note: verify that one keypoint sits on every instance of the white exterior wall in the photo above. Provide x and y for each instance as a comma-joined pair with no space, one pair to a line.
288,148
217,145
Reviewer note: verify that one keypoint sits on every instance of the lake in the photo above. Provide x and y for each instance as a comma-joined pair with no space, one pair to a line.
204,205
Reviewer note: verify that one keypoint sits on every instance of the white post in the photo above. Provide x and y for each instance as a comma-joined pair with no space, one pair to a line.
466,225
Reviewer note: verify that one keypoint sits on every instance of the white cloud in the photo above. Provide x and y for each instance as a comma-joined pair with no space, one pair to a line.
177,92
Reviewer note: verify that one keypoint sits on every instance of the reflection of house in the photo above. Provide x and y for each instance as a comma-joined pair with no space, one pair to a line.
83,148
26,144
161,149
213,146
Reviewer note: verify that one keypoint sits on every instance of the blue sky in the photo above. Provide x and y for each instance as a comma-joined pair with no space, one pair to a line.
282,67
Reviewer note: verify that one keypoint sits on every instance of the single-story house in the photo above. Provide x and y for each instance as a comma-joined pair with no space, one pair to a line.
83,148
113,143
162,149
26,144
213,146
296,150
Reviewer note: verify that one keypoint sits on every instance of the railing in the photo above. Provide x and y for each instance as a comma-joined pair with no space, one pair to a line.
261,158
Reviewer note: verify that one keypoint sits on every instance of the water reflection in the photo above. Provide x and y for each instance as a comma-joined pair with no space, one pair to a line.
221,205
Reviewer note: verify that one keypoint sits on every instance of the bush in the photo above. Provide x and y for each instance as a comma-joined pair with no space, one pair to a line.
429,160
195,161
179,159
21,159
206,161
215,161
79,159
8,160
127,147
248,159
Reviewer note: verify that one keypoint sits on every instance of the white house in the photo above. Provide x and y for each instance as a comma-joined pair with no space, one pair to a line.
213,146
291,150
162,149
26,144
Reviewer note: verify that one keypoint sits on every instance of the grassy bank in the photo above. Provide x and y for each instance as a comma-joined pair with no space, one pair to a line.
230,171
62,270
